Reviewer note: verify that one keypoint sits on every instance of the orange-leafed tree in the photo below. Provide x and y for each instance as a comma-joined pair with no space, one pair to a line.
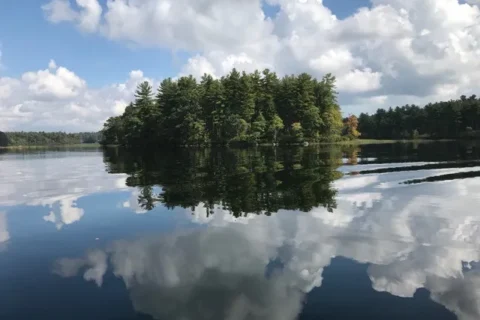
350,127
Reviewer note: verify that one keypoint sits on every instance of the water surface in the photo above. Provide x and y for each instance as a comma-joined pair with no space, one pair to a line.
371,232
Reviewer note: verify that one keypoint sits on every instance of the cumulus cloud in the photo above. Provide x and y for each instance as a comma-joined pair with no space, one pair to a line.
53,83
57,99
87,18
393,53
404,50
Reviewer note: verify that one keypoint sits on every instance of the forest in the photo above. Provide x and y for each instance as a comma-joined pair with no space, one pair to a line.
47,138
250,108
454,119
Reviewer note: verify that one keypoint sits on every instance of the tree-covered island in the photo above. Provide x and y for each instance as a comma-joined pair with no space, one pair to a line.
246,108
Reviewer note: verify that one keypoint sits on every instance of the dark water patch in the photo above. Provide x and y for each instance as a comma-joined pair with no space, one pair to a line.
446,177
433,166
420,152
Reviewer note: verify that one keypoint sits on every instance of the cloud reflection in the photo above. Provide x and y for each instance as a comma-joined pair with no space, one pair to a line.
419,236
4,234
56,181
64,212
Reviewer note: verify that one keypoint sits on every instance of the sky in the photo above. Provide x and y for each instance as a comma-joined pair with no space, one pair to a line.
70,64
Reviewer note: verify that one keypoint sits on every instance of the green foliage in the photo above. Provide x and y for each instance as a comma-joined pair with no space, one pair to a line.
52,138
239,107
3,140
297,131
448,119
416,135
273,127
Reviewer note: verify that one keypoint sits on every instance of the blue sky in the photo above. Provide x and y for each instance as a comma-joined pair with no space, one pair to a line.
100,61
70,64
28,41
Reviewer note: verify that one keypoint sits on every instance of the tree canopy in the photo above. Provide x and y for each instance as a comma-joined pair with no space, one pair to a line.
49,138
240,107
3,139
448,119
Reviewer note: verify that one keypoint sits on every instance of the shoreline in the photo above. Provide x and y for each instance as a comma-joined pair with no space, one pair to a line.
54,146
388,141
348,142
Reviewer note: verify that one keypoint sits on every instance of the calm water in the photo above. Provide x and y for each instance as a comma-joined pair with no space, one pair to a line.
377,232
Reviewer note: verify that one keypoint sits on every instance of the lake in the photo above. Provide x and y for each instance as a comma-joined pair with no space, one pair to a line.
385,231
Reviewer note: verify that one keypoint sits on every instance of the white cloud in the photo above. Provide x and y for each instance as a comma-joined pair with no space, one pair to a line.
53,83
52,65
87,18
58,99
89,15
335,60
404,50
359,81
58,11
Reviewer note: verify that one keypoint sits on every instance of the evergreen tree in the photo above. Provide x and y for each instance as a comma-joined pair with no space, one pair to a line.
239,107
448,119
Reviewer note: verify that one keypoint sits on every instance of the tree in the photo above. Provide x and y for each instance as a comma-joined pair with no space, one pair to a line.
148,114
3,140
415,134
351,127
446,119
212,103
273,127
240,107
297,131
48,138
258,128
112,131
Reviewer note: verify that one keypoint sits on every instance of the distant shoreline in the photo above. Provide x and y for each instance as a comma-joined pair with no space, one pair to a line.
306,144
80,145
388,141
347,142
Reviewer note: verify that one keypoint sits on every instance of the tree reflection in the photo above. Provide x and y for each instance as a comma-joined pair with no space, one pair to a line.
260,181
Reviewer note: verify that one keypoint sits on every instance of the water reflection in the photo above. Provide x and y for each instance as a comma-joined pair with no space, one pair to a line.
320,232
242,181
54,180
245,265
4,234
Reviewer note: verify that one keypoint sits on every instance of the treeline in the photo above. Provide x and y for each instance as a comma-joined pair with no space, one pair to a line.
239,107
241,181
449,119
47,138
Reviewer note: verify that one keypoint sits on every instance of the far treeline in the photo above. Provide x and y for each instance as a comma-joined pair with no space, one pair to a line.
242,108
454,119
47,138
